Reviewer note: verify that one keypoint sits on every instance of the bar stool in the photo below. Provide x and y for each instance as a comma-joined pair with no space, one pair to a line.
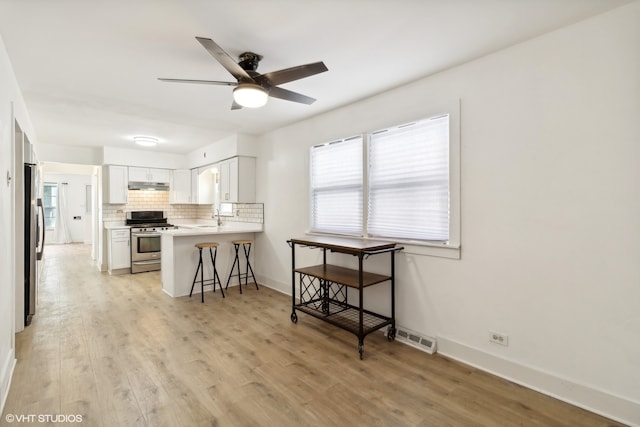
246,247
207,282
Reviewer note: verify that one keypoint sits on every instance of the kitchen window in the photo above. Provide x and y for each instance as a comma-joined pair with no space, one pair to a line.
400,183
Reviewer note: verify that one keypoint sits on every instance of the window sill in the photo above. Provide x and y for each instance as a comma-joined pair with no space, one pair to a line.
440,250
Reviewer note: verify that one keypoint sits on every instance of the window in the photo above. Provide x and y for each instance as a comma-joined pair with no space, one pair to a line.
409,181
399,183
336,187
50,204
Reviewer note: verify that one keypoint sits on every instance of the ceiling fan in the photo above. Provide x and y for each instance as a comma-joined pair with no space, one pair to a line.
252,88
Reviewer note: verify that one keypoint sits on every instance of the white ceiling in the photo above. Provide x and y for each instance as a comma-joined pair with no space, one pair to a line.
88,69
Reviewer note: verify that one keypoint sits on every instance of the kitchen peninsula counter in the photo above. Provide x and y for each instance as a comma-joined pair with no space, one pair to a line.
180,257
116,226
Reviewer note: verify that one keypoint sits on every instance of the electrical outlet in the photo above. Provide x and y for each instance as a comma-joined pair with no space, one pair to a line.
498,338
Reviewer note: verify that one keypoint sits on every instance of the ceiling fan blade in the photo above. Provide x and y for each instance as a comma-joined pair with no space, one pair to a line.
294,73
204,82
224,59
235,105
278,92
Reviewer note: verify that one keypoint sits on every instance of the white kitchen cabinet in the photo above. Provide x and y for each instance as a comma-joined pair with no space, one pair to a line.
224,181
237,180
180,190
137,174
114,184
119,251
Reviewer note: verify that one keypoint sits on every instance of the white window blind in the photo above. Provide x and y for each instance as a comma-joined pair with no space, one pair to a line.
336,187
408,183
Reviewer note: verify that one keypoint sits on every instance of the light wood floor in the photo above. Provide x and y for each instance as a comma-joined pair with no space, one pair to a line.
119,352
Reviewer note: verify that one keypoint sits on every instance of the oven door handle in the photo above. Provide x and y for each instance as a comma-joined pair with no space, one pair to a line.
148,262
144,234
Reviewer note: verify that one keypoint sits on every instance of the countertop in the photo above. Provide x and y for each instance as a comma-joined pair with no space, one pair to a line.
205,229
116,227
199,229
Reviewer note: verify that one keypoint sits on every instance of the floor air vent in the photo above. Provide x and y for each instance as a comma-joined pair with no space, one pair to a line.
416,340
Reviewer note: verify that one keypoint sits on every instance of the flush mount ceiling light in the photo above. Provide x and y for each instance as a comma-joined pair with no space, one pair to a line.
250,95
145,141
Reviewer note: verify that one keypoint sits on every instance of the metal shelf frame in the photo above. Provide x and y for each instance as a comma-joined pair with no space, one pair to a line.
322,289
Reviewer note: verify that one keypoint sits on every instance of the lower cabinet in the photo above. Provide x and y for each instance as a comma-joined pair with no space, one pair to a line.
119,251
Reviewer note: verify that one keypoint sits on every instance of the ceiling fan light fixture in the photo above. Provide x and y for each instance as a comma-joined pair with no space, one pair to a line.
250,95
145,141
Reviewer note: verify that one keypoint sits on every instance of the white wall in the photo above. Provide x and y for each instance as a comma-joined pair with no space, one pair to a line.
11,104
70,154
230,146
143,158
550,211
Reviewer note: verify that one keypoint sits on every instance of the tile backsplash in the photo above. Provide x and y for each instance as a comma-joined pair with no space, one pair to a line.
148,200
247,212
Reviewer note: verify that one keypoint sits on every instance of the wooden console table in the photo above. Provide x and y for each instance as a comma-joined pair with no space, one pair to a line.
323,288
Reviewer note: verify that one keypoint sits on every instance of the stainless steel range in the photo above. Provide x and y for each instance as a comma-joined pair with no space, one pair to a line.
145,239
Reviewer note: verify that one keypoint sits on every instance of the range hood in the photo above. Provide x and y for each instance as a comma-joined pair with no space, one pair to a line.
143,185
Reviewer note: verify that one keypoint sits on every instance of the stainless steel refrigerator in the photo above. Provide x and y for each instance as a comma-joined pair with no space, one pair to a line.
33,239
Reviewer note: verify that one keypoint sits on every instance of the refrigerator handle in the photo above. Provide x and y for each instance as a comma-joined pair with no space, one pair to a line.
39,244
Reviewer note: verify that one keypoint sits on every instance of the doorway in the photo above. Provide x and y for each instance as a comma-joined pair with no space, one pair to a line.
70,213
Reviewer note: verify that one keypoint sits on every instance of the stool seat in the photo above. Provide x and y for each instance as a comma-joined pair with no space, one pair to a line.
215,279
246,248
206,245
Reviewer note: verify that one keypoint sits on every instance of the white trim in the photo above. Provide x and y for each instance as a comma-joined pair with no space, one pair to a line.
442,250
583,396
5,378
449,249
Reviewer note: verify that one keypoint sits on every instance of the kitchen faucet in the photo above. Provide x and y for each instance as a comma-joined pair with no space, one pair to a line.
217,212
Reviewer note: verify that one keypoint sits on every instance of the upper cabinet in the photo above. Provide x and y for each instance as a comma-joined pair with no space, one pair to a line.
192,186
114,179
224,180
229,181
237,181
137,174
180,190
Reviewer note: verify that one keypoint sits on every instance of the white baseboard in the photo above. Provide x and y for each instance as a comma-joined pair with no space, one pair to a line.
600,402
284,288
5,378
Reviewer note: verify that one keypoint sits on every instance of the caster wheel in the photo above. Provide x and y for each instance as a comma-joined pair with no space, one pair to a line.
294,318
391,333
